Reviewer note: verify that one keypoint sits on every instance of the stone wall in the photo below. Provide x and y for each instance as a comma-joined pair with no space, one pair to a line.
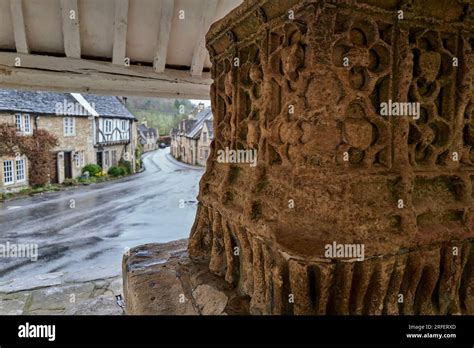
16,185
81,141
203,145
303,83
8,118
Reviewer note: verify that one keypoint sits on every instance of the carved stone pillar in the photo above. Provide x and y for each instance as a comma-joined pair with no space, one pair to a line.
304,82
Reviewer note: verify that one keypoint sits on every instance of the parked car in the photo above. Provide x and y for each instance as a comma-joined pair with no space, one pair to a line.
162,146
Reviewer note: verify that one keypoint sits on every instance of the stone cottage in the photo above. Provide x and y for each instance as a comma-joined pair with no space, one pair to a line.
190,142
204,142
89,129
148,137
115,131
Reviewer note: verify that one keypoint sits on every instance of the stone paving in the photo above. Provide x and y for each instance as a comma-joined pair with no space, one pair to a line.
88,298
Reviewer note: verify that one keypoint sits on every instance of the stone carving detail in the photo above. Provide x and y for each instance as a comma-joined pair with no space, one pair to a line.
431,137
307,93
362,56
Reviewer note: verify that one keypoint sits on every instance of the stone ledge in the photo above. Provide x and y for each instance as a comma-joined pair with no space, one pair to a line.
160,279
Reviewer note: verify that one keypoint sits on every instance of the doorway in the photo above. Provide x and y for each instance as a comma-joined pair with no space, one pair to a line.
99,159
67,165
53,172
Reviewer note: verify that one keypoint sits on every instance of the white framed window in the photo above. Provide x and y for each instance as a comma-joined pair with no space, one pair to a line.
18,123
124,129
108,126
106,158
69,126
27,123
23,123
20,170
79,159
114,157
8,172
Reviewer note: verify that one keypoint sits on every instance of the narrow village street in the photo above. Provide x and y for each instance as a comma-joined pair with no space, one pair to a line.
83,232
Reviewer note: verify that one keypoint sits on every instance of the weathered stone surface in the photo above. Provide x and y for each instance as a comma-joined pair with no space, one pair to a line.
59,298
151,285
94,298
209,300
307,94
160,279
13,304
40,281
101,305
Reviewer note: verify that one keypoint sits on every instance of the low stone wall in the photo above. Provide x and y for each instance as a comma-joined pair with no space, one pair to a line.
160,279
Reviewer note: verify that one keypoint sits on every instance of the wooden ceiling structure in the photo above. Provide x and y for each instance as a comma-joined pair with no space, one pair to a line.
150,48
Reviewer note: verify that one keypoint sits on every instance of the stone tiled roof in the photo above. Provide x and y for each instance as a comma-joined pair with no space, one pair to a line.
192,128
187,125
210,127
108,106
32,102
146,132
45,103
203,116
152,131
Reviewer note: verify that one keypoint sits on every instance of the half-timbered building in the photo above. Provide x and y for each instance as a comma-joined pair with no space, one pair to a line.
89,129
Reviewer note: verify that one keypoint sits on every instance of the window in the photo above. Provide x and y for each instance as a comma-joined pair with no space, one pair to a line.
8,172
204,136
27,124
20,170
206,154
18,123
114,157
23,123
106,158
69,126
108,126
79,158
122,130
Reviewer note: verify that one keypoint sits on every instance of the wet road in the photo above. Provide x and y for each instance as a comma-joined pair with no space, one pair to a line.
83,232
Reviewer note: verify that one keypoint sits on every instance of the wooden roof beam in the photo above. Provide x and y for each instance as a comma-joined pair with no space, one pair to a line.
19,29
70,23
84,76
120,32
209,12
161,50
